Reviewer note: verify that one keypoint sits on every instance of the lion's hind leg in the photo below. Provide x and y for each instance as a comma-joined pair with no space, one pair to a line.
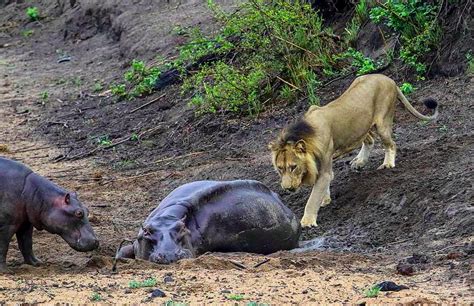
363,157
385,132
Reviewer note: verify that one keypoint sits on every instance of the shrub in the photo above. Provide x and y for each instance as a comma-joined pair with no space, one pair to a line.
415,22
33,13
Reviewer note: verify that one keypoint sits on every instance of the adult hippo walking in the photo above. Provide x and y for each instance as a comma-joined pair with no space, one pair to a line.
227,216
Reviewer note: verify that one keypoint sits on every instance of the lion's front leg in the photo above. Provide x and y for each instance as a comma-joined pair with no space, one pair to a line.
319,192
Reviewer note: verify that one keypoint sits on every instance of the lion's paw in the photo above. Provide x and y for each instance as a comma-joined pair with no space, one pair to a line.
385,166
358,163
308,221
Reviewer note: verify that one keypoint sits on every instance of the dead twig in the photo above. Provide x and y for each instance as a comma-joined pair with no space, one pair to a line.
114,266
127,178
237,264
146,104
294,45
64,124
179,157
261,263
288,83
31,149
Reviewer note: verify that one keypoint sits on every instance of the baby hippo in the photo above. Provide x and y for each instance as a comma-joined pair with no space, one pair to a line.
227,216
28,200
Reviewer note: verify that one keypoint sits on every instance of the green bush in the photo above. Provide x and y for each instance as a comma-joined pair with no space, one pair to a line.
280,45
149,282
33,13
139,81
415,22
407,88
363,64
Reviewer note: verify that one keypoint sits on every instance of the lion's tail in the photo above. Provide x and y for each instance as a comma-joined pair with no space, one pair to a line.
429,103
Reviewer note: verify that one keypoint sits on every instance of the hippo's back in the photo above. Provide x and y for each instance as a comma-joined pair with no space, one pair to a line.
12,176
236,216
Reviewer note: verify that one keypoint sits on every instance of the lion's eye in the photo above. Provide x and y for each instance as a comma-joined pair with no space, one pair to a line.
280,169
292,168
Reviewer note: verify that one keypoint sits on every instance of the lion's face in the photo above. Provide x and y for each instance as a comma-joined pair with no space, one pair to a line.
292,162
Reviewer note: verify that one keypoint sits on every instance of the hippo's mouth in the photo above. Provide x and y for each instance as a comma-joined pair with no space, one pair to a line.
167,258
82,242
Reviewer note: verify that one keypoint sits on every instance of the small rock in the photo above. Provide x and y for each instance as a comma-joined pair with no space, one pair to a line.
418,259
305,292
225,291
454,255
168,279
405,269
390,286
127,291
157,293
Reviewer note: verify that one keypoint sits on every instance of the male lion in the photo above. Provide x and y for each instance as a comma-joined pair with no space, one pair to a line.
304,151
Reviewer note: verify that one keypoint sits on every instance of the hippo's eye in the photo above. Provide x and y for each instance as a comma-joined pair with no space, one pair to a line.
79,214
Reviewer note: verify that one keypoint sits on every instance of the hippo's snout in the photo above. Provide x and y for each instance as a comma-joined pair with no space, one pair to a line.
83,240
86,245
170,257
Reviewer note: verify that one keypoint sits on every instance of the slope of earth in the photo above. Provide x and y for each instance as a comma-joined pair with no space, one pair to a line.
376,219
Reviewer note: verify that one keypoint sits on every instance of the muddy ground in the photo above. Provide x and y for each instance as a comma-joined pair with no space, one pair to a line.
377,219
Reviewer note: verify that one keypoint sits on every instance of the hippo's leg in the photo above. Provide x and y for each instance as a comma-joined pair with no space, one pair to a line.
25,243
126,252
6,233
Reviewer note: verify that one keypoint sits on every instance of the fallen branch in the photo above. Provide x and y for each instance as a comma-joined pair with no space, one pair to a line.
294,45
237,264
102,183
261,263
114,266
288,83
31,149
179,157
146,104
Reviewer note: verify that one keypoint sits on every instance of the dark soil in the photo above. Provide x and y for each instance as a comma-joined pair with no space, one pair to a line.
423,206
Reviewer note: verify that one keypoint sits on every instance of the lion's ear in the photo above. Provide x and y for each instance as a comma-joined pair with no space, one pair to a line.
300,146
273,146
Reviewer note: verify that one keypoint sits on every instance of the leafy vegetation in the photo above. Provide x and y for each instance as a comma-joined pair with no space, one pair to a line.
104,140
98,87
149,282
470,62
27,33
407,88
44,96
140,80
361,15
416,24
173,303
33,13
95,297
363,64
276,51
235,297
372,292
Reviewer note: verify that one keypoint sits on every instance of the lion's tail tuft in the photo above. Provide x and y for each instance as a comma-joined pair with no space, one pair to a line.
430,103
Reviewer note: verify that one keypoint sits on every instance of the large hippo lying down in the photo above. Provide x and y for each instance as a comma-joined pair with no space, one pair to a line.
27,200
228,216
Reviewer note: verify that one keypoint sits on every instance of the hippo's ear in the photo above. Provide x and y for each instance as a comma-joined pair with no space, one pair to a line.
67,199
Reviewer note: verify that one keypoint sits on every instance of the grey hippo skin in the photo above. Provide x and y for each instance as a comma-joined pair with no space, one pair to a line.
227,216
29,200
